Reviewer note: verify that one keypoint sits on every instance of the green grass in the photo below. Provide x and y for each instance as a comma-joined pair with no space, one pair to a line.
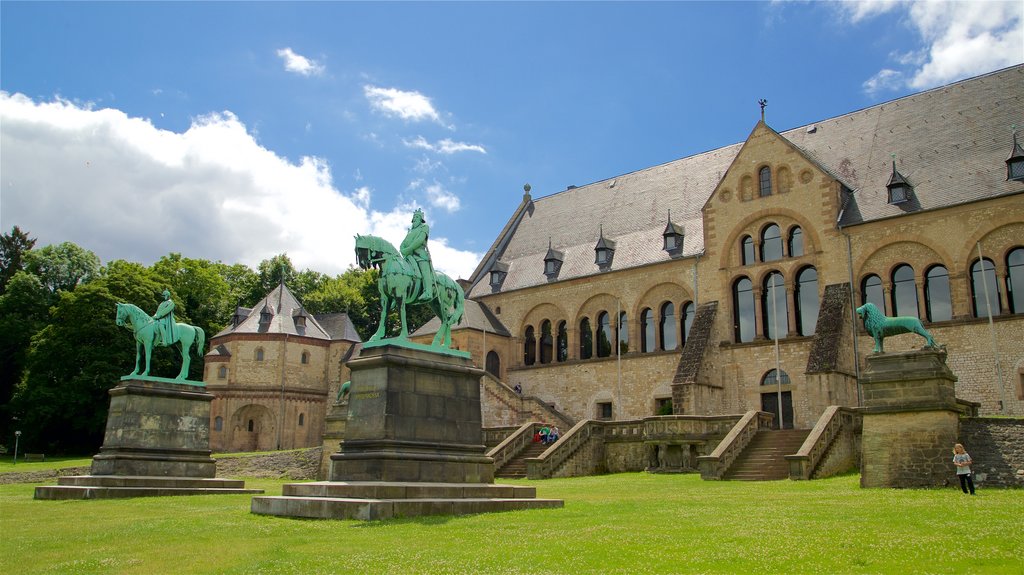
7,464
625,523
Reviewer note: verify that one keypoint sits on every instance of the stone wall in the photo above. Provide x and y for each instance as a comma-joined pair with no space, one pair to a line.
997,448
842,456
623,456
297,464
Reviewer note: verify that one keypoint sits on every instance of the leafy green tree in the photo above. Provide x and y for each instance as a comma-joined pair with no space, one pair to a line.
23,312
242,284
62,267
200,288
13,247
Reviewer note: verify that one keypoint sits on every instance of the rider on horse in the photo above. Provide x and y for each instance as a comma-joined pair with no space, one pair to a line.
164,316
414,250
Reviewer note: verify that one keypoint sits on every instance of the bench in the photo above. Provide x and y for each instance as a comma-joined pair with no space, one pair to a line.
34,457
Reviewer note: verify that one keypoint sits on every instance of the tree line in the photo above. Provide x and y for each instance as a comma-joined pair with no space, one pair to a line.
61,351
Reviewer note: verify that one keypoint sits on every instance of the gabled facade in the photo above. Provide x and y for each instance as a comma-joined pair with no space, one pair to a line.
274,371
910,204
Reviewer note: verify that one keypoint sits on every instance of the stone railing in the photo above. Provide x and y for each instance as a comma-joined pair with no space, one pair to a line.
687,427
547,463
715,465
513,444
495,435
833,422
519,408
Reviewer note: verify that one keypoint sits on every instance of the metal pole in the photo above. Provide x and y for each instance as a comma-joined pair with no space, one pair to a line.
618,356
778,369
853,317
17,437
992,329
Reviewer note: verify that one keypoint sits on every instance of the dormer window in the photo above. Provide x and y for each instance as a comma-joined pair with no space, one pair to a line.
553,262
300,318
673,237
899,188
266,314
604,251
498,273
1015,163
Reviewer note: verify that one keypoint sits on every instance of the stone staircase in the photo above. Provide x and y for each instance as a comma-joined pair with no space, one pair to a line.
764,458
516,467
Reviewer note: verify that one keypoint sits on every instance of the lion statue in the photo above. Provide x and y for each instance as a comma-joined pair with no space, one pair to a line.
880,326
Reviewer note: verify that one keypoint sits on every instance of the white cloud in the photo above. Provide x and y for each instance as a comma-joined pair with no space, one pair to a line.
439,197
126,190
406,105
300,64
958,40
445,146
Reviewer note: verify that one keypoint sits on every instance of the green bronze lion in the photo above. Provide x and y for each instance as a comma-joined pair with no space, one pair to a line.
880,326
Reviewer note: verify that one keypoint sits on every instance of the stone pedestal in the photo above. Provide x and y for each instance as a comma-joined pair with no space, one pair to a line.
157,442
413,446
911,420
334,434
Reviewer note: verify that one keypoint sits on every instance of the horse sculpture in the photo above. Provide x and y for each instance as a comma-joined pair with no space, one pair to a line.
398,287
146,337
880,326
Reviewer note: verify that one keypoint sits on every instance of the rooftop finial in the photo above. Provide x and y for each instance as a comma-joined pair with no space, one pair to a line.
526,192
763,102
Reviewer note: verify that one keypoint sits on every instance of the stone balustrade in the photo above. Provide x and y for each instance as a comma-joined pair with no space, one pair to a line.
715,465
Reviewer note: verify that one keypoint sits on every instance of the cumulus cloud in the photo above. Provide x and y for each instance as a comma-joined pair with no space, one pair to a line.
445,146
300,64
411,106
958,40
441,198
125,189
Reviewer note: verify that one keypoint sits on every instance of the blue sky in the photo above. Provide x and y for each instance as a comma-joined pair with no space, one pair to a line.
235,131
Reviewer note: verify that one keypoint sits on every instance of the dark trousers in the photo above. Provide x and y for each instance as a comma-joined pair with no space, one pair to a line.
966,483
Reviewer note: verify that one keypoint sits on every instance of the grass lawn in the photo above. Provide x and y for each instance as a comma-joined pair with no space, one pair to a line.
7,464
624,523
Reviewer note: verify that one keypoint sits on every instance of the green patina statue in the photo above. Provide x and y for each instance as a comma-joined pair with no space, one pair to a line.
408,277
160,331
879,326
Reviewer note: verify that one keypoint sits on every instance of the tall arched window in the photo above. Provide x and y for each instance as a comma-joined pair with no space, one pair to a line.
259,354
764,177
622,328
1015,280
807,300
774,307
667,326
218,423
302,419
688,310
586,339
529,346
252,425
493,365
747,250
936,294
647,330
305,358
604,335
904,292
871,292
771,243
546,342
743,310
222,372
563,342
983,288
796,242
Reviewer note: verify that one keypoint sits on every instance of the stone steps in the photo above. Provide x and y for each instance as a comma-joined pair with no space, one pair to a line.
515,468
123,486
764,458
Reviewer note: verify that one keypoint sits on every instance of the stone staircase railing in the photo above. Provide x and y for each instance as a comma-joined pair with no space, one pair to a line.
547,463
519,440
833,422
714,466
524,407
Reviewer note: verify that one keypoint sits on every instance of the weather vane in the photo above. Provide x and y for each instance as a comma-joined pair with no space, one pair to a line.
762,102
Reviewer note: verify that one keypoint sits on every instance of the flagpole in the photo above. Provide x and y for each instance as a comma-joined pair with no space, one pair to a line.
992,329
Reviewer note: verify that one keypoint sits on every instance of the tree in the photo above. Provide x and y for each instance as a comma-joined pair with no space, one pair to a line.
13,247
200,289
23,312
62,267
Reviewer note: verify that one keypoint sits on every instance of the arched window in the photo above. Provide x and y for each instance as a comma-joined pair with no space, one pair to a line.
305,357
259,354
302,419
904,292
764,177
222,372
771,243
547,342
586,339
771,379
688,310
563,342
743,310
747,250
252,425
647,330
773,306
796,242
1015,280
983,288
622,328
604,335
667,326
218,423
770,399
493,365
871,292
936,294
529,347
807,300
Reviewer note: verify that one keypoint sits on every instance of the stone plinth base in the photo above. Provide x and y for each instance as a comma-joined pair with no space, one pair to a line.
113,487
910,420
374,500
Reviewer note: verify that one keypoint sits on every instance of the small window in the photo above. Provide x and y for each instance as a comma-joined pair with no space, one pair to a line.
747,250
218,423
771,378
984,289
796,242
252,425
222,372
259,354
305,357
667,326
622,328
586,339
871,291
765,181
663,406
604,411
302,419
562,342
604,334
899,187
529,346
546,342
647,341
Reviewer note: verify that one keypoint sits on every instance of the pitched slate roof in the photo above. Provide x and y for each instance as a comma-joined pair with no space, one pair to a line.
951,144
477,316
284,307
